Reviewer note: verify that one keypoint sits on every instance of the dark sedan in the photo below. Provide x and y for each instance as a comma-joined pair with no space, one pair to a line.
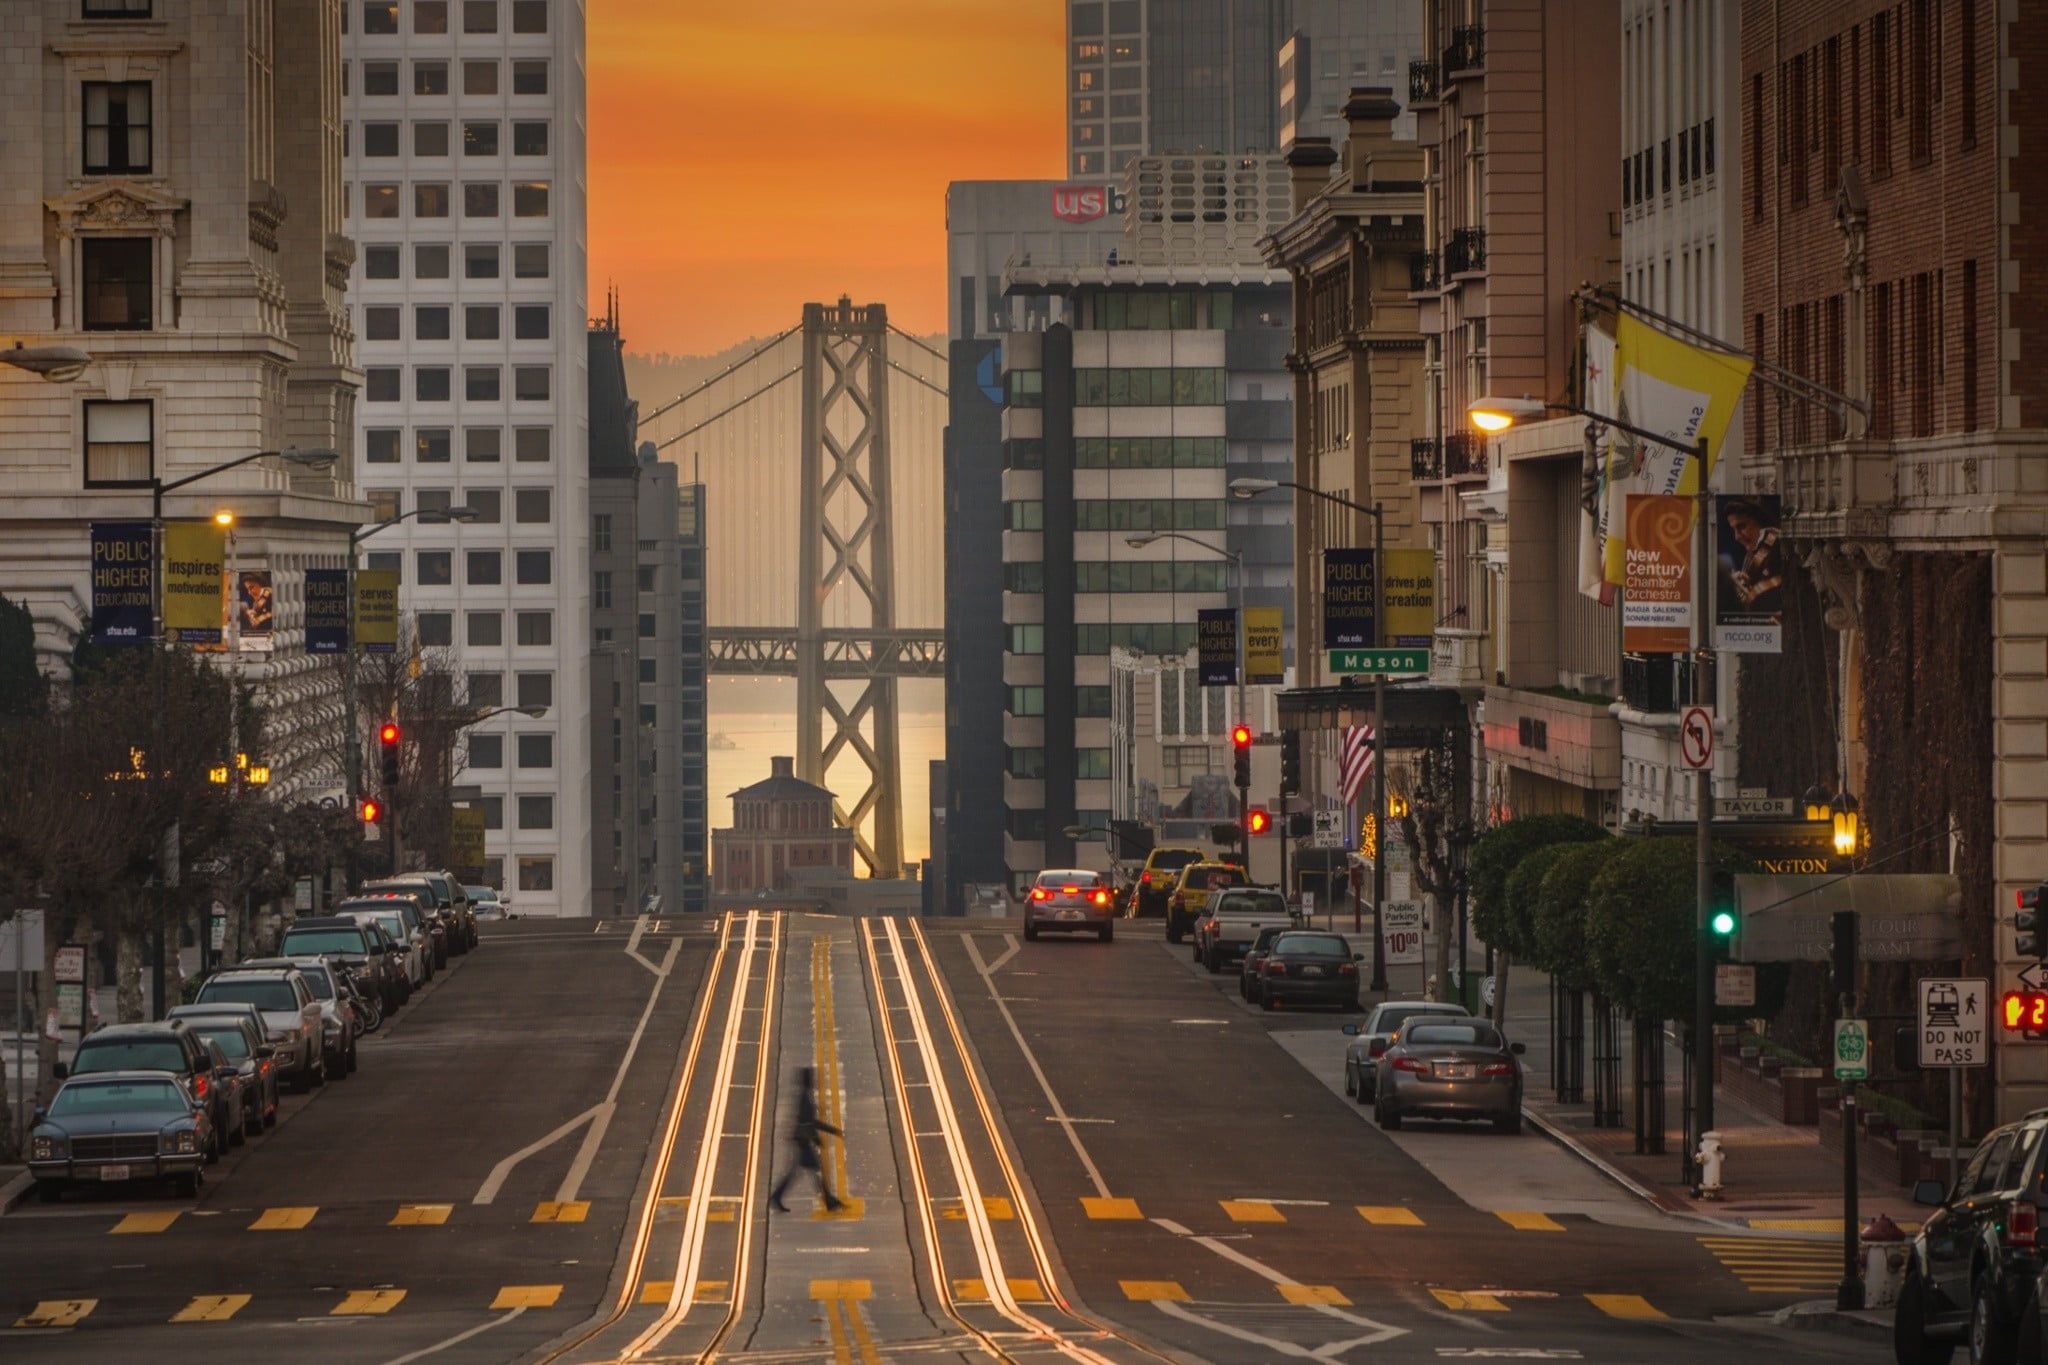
1253,973
1309,968
115,1126
1458,1069
242,1040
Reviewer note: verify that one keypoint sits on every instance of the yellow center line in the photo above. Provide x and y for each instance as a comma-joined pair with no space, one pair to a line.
825,1043
842,1353
863,1339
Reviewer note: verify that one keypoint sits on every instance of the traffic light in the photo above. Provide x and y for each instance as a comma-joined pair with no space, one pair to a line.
1300,824
1290,762
370,812
1722,920
1241,747
1258,820
2029,940
387,749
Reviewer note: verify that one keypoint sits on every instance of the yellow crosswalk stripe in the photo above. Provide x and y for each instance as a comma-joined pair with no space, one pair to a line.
367,1302
1251,1211
1309,1295
1777,1265
527,1296
842,1289
563,1211
212,1308
284,1219
1523,1220
156,1220
1110,1210
713,1291
57,1313
1389,1216
976,1291
657,1291
1153,1291
1468,1303
1623,1305
999,1209
421,1215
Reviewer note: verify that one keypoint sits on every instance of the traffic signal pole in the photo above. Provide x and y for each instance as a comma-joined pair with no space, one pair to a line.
1379,758
1703,871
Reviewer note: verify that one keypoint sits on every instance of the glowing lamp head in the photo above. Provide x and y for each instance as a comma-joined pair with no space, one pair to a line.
224,518
1258,822
1492,415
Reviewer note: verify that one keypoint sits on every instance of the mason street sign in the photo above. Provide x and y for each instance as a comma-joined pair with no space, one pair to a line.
1344,662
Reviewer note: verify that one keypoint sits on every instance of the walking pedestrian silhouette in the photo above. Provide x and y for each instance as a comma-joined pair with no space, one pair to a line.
804,1136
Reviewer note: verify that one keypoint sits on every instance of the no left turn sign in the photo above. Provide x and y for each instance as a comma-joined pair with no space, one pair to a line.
1696,737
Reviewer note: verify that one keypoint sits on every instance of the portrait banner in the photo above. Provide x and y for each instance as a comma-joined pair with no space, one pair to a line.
377,611
1408,597
1264,655
1216,635
1350,599
1749,589
255,610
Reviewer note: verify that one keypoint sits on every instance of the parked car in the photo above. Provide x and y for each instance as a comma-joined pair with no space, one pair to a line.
346,941
398,917
114,1126
1370,1040
446,900
1157,879
296,1027
1252,974
1454,1069
168,1046
2033,1336
1071,900
1310,967
1232,920
485,903
342,1028
240,1038
234,1097
1974,1265
1184,904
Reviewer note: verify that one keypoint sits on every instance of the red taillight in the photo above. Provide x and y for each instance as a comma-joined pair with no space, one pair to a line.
1145,879
1275,967
2023,1224
1409,1064
1497,1069
1039,893
199,1084
1377,1048
1348,969
1100,898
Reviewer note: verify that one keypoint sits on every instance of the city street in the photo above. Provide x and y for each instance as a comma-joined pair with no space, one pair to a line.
561,1152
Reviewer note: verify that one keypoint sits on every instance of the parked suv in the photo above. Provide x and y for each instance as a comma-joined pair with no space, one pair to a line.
291,1016
355,946
445,899
339,1022
1190,895
172,1047
1972,1267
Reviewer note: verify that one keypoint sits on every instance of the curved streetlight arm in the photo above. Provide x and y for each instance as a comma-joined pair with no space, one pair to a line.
1153,537
431,516
530,712
1251,488
1575,410
311,459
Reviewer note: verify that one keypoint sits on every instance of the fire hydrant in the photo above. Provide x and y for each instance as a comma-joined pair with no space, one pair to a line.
1884,1262
1709,1158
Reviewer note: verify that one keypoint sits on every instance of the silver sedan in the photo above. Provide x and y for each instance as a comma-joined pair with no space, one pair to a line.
1457,1069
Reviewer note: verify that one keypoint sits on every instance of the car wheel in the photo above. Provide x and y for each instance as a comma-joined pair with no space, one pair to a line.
188,1184
1213,960
1991,1338
1388,1118
1350,1082
354,1061
2031,1345
1511,1124
1365,1096
1910,1343
270,1114
252,1124
1267,1003
1108,932
49,1191
1174,933
213,1148
238,1133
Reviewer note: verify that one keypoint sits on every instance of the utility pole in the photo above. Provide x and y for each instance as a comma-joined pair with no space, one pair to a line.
1703,870
1379,756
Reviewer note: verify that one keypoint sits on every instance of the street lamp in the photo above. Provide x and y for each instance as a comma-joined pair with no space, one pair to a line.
1247,488
1815,803
57,364
1844,814
530,712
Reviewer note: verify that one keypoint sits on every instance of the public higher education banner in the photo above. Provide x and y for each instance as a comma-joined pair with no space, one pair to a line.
195,586
121,582
326,611
1749,601
1349,598
1216,636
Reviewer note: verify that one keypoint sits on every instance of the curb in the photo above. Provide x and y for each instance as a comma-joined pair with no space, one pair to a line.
14,1191
1613,1173
1819,1315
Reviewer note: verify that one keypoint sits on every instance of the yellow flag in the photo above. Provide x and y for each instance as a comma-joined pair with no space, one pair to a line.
1682,392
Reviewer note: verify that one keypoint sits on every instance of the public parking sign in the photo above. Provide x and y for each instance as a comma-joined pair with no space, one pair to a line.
1402,925
1955,1019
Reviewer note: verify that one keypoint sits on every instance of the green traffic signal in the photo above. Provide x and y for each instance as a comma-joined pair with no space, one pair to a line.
1723,922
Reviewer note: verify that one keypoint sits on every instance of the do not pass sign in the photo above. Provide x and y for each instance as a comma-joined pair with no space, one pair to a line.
1955,1021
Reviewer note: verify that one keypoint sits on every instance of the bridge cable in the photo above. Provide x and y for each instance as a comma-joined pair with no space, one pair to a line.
683,398
917,343
920,379
787,374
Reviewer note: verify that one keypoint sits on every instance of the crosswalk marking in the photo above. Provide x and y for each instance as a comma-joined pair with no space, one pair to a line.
211,1308
1153,1291
1023,1291
1524,1220
1309,1295
57,1313
842,1289
562,1211
1389,1216
367,1303
421,1215
1251,1211
713,1291
998,1208
1468,1303
1623,1305
1111,1209
156,1220
527,1296
660,1291
657,1291
851,1208
284,1219
1778,1265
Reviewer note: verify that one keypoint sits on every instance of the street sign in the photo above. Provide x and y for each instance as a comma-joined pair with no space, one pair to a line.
1955,1015
1329,829
71,964
70,1005
1349,662
1852,1050
2034,976
1696,737
1401,922
1734,983
1740,806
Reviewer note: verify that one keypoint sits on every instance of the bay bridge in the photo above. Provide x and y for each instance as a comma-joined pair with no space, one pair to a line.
825,565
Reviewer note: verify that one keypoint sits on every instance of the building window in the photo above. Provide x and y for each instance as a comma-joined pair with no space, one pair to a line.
536,872
479,16
537,751
380,201
481,445
380,445
533,506
380,78
646,625
1025,515
536,812
1091,763
428,139
529,139
601,533
117,116
1028,639
486,568
1026,701
118,444
430,383
530,260
380,384
486,690
433,445
117,282
430,261
480,383
647,670
531,445
436,629
529,16
493,808
429,78
536,689
117,9
534,567
529,78
383,507
380,263
480,261
480,322
601,589
483,502
380,139
530,322
480,138
1027,763
380,16
480,199
530,383
535,628
485,751
486,629
430,322
479,78
436,568
380,324
429,201
530,199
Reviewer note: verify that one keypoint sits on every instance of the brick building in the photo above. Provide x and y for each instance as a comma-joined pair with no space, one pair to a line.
782,829
1892,249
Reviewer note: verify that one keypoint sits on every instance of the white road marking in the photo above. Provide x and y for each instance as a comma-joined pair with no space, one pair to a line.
1376,1332
455,1340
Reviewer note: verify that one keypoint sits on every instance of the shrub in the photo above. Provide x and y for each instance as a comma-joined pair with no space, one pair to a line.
1559,930
1497,853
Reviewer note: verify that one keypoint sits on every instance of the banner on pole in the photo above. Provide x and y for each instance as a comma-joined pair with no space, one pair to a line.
377,611
1656,608
1264,658
255,610
1749,598
1408,598
1349,597
195,582
1216,635
466,841
326,611
122,586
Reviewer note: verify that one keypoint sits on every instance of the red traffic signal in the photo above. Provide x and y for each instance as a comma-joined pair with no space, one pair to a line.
1258,820
371,812
1241,736
387,734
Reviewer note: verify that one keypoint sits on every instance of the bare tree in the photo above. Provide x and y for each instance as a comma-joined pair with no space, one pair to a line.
427,695
1430,791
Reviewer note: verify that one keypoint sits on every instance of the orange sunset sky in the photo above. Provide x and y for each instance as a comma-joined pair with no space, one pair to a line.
748,157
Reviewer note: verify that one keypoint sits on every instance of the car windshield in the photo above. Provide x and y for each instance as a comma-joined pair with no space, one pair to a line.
110,1097
1254,903
316,941
394,927
1452,1035
1174,862
232,1041
1265,939
480,893
1393,1017
1209,878
1313,945
316,977
129,1054
1053,881
264,992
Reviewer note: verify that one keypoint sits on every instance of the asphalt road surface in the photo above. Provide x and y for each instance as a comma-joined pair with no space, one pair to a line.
564,1151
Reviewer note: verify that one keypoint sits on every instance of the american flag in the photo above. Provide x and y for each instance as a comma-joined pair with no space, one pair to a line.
1356,760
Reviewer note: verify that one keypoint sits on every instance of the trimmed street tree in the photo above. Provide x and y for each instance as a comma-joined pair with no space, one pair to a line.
1494,858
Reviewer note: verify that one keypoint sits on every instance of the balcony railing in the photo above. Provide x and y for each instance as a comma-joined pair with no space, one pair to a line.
1465,252
1422,82
1422,271
1656,684
1467,51
1426,458
1464,456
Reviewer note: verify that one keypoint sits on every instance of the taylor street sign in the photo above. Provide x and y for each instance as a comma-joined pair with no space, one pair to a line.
1752,806
1955,1014
1901,917
1348,662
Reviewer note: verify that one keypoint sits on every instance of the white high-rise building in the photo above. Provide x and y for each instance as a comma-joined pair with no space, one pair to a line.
466,198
